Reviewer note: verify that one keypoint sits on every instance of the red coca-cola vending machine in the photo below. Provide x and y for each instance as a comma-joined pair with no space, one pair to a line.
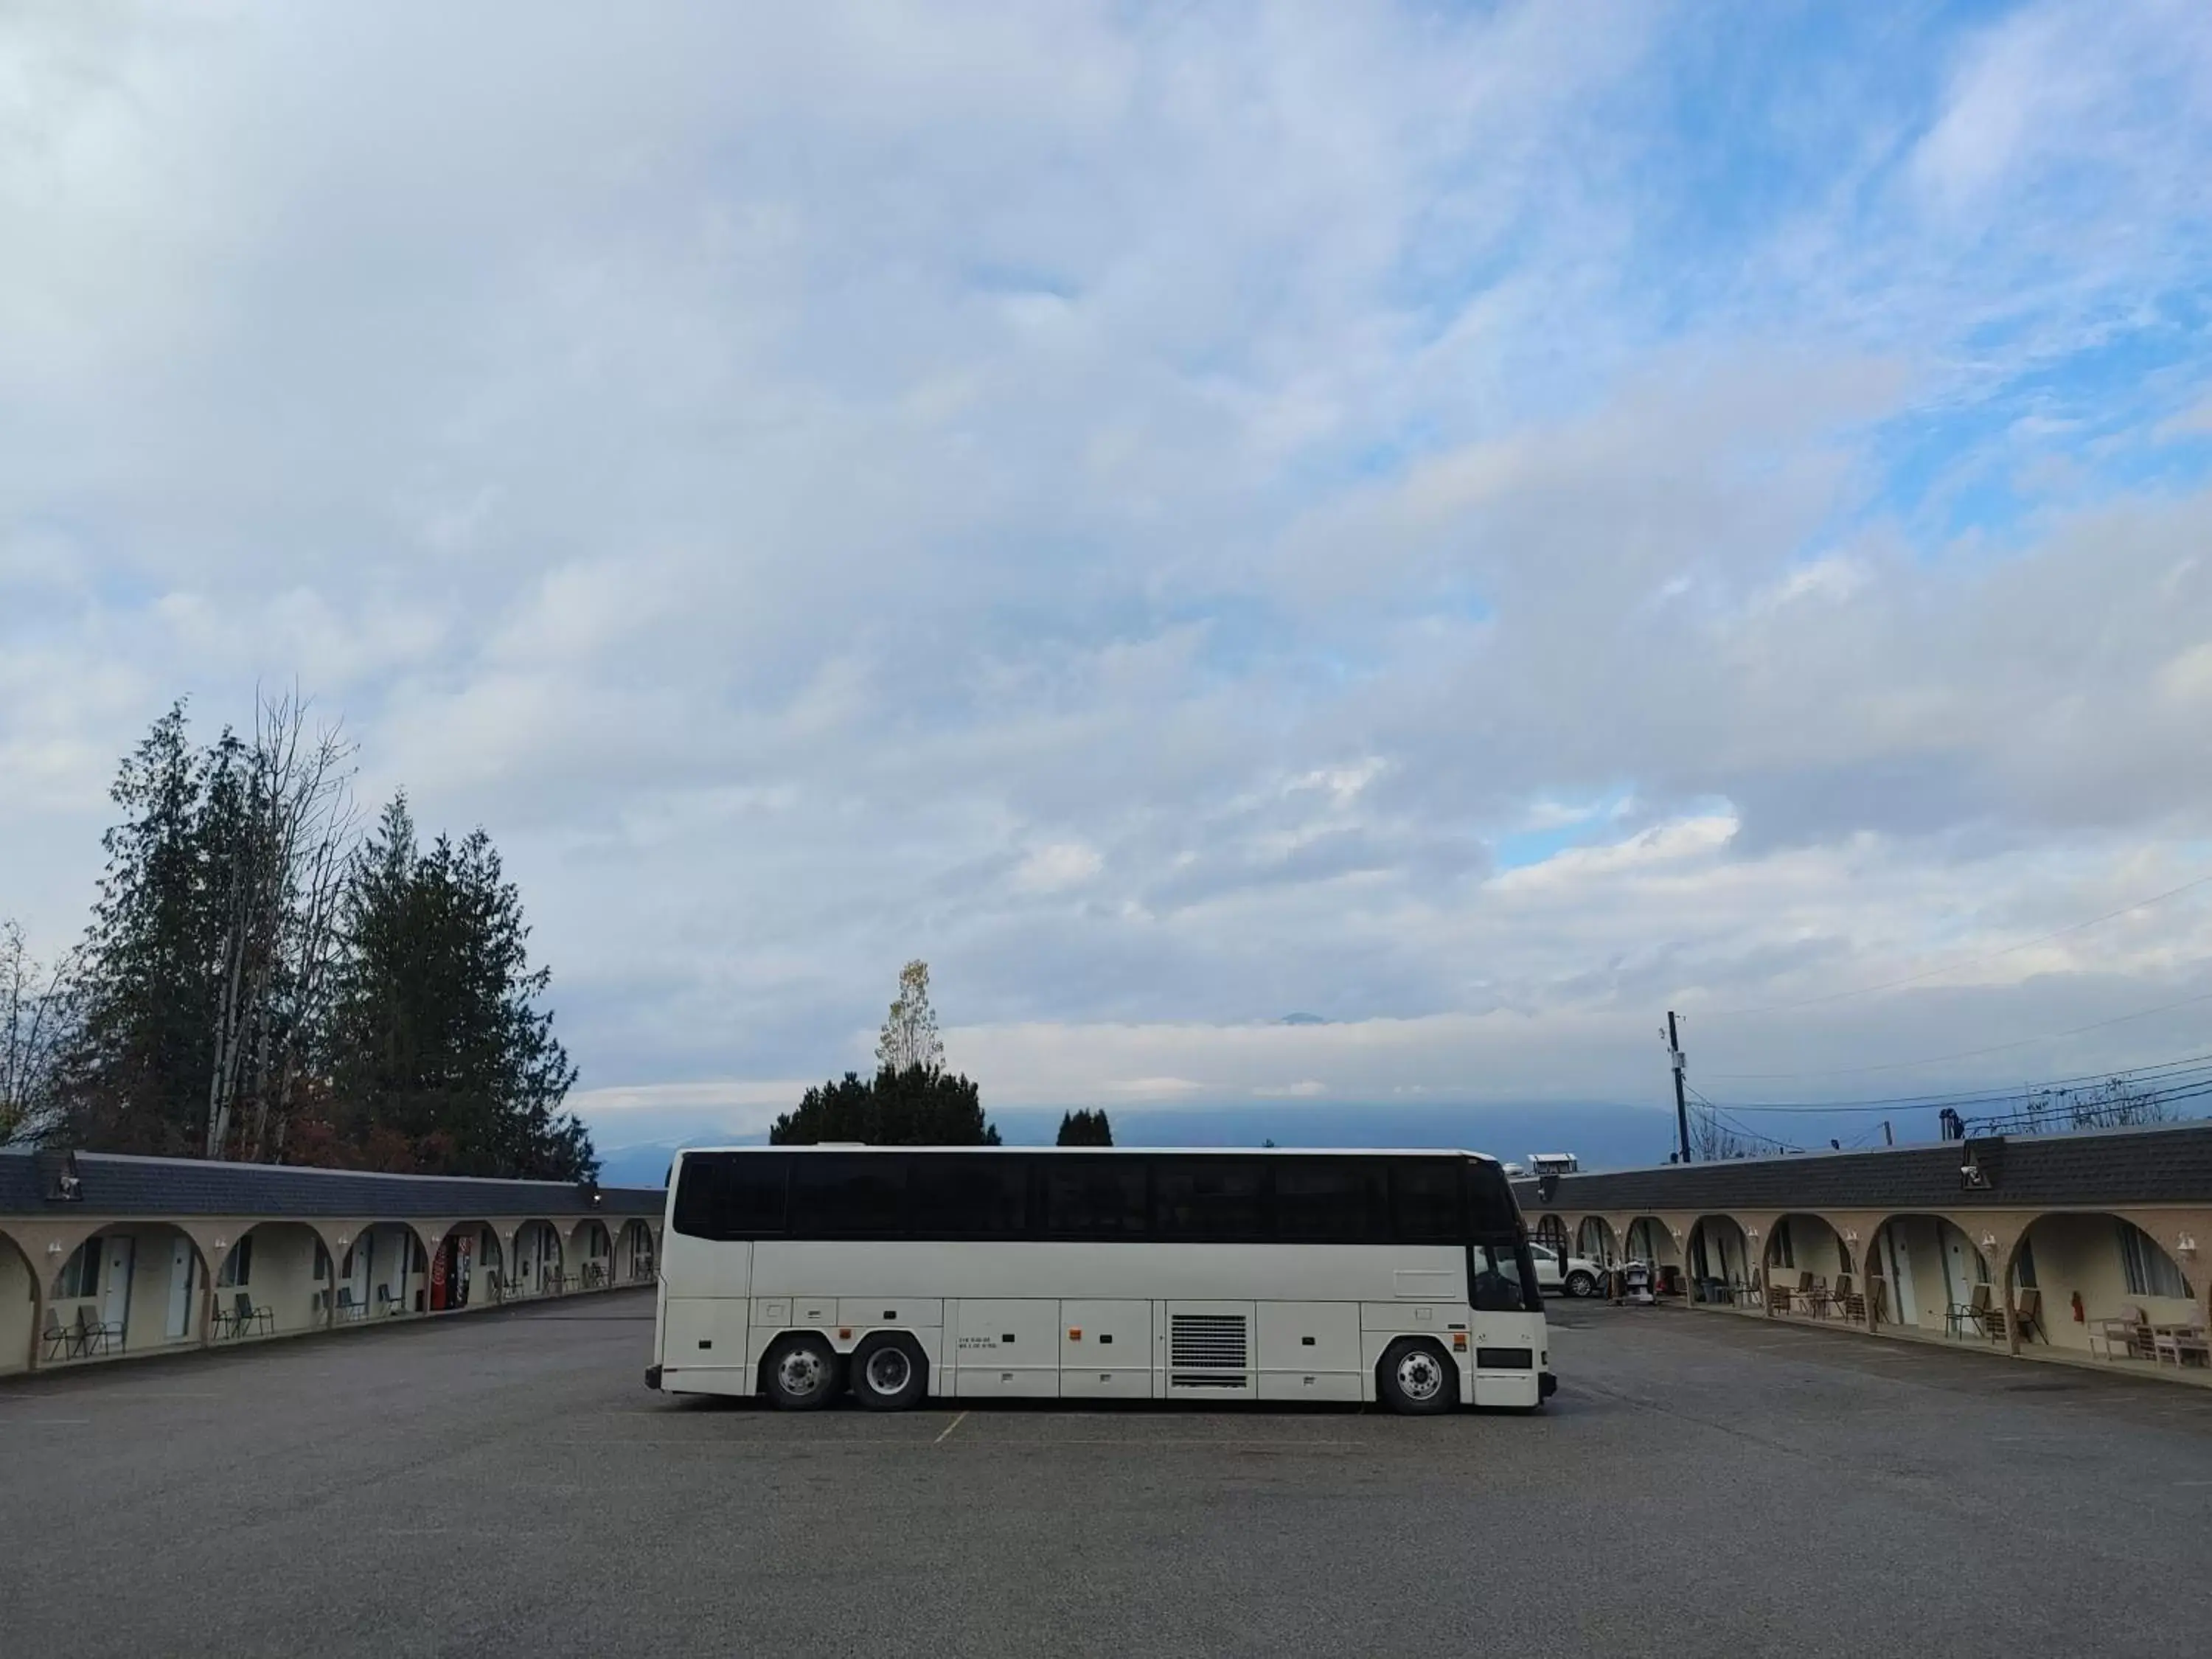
440,1275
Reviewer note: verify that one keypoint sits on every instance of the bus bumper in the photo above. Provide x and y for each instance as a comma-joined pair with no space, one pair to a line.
652,1377
1546,1385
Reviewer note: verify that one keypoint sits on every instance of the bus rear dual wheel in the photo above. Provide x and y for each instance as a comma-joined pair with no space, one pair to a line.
804,1373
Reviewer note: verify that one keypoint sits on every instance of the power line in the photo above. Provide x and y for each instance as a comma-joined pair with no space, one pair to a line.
1968,1054
1971,962
1968,1096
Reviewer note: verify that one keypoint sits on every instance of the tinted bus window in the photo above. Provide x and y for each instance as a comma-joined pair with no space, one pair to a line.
968,1195
1209,1198
1094,1197
1424,1206
848,1195
1331,1200
731,1194
1491,1212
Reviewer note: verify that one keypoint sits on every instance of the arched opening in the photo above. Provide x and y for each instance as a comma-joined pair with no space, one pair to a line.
593,1255
1810,1270
126,1290
465,1268
19,1306
1720,1260
383,1274
634,1257
1552,1233
537,1263
274,1280
1595,1239
2099,1284
1651,1240
1924,1274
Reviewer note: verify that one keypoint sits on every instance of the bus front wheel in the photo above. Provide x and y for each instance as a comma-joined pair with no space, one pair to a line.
1416,1379
800,1373
888,1373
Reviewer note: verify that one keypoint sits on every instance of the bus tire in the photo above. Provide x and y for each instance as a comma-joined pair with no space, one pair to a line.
800,1373
889,1372
1581,1284
1417,1378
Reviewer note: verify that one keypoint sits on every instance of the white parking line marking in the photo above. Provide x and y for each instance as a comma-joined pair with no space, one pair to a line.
949,1427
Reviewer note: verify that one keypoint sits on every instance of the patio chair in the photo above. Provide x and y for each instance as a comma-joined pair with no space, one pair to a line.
1818,1298
2027,1312
349,1310
2186,1343
2127,1337
60,1339
244,1316
1850,1300
387,1303
1974,1311
94,1334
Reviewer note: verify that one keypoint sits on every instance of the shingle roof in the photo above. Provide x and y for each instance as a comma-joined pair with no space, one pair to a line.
116,1185
2166,1163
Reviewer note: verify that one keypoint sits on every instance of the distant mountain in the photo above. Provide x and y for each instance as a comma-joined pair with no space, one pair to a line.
1301,1019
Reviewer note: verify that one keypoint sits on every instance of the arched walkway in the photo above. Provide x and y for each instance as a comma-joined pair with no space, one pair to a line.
2126,1281
127,1289
1807,1264
1551,1232
273,1281
1921,1267
592,1254
633,1254
383,1274
537,1263
1720,1260
1594,1238
467,1268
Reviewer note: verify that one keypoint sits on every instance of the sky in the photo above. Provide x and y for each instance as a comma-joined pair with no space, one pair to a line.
1476,524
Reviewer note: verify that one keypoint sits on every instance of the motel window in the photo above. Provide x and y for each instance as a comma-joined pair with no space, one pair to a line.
2150,1271
80,1273
238,1266
2024,1265
1784,1256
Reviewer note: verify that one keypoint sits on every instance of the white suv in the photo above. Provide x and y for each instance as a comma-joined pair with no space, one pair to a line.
1575,1276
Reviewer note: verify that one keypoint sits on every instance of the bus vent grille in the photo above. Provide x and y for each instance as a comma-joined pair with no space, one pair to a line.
1207,1351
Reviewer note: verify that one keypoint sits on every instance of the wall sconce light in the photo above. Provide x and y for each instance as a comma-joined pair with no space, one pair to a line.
1989,1241
223,1243
1751,1232
2185,1244
53,1246
1850,1234
344,1239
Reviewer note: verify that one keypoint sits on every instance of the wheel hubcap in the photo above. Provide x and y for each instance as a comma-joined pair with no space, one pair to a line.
1419,1377
799,1372
888,1370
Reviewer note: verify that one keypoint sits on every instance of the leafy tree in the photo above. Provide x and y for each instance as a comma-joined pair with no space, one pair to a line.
441,1057
918,1106
1084,1128
909,1035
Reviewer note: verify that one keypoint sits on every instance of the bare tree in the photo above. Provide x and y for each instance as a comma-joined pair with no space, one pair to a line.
909,1035
2112,1104
37,1008
289,824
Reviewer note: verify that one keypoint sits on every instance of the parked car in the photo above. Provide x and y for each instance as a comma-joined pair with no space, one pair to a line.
1575,1275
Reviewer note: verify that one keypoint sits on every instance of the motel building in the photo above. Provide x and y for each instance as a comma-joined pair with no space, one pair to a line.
107,1257
2085,1246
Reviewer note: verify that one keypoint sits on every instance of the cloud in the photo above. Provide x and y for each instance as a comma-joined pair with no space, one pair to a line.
1174,515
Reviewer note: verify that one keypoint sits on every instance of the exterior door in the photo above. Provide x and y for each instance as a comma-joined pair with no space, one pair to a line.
1905,1298
364,1255
115,1282
184,1288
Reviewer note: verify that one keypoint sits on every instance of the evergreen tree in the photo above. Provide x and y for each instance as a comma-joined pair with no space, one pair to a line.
1086,1127
441,1057
918,1106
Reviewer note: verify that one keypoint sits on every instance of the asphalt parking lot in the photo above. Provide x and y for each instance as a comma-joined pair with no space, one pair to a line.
504,1485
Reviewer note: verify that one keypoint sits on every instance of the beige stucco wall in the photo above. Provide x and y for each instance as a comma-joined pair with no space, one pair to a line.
281,1275
20,1318
2082,1254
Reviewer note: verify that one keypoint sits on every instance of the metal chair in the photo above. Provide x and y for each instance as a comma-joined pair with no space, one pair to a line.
61,1340
1975,1311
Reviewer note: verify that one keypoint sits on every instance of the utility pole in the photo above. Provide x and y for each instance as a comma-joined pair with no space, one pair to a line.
1888,1139
1681,1101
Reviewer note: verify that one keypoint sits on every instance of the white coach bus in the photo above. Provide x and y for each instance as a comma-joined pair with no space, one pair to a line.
903,1274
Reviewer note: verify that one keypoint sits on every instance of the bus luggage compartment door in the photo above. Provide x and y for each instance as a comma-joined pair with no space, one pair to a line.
1106,1349
1007,1349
